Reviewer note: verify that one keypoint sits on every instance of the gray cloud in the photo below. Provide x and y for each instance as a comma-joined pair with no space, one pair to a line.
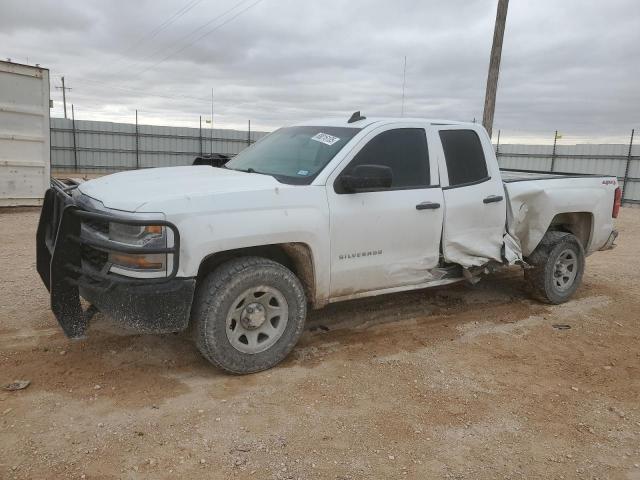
570,65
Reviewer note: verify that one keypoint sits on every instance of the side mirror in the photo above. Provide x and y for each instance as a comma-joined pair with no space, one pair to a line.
367,177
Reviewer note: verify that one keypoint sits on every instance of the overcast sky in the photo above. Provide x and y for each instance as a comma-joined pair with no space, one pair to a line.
571,65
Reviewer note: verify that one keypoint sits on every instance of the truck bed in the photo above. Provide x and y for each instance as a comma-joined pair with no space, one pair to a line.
536,199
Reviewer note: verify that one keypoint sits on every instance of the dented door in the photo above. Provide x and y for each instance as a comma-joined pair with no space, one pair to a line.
475,203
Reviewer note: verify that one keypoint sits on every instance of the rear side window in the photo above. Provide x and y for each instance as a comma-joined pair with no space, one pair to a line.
464,156
404,150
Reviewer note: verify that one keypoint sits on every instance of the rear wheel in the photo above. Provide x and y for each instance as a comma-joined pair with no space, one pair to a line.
558,265
248,314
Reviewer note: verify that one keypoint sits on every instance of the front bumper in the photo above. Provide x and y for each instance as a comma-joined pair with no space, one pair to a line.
71,265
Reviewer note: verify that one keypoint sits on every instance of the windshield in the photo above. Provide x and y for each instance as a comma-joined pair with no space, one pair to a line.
294,155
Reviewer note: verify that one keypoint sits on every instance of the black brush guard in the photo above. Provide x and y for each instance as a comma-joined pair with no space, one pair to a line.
59,264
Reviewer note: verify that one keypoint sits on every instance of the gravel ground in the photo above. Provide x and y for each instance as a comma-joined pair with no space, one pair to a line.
462,382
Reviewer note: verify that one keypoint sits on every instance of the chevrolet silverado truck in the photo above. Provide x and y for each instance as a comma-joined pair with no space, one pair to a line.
315,213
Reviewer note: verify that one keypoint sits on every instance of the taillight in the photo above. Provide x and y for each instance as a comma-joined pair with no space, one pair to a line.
617,202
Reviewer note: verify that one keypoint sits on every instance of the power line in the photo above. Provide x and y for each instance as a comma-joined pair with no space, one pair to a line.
217,27
180,13
185,37
155,31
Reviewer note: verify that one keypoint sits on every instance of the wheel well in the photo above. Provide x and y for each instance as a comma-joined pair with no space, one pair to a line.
579,224
295,256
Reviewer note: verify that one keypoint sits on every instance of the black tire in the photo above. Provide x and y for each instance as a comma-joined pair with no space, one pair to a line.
213,303
545,278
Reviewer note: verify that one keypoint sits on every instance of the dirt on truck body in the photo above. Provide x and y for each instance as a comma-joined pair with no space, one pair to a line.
477,382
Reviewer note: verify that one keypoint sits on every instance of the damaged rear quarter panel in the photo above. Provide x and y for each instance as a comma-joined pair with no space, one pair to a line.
533,205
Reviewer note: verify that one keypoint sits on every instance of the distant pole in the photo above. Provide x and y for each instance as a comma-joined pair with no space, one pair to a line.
494,66
64,96
212,121
626,170
249,134
200,135
404,81
75,148
137,143
553,152
498,145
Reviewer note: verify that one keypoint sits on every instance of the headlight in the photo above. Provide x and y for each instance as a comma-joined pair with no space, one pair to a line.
151,236
135,234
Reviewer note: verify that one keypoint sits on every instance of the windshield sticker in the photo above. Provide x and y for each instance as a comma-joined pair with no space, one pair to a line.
325,138
303,173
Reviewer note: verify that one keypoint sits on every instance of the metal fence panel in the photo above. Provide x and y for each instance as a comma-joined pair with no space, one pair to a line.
107,146
604,159
634,166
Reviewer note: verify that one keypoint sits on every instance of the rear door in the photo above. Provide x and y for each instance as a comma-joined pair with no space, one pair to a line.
390,237
475,206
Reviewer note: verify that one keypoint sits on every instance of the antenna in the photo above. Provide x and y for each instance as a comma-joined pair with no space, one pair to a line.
404,79
211,140
356,117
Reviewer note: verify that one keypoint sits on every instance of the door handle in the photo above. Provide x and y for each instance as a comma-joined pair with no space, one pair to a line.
427,206
493,199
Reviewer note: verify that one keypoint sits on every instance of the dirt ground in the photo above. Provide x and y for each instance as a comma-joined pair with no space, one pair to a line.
465,382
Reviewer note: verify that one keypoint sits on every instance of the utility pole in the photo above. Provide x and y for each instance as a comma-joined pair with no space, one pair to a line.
75,146
211,143
494,66
626,170
64,96
553,152
200,135
137,143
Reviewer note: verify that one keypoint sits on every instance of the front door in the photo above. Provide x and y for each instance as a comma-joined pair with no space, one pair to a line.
388,237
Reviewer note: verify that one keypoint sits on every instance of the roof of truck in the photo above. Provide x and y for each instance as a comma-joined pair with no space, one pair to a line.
365,122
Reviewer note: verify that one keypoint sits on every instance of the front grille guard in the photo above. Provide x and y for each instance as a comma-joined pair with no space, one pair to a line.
59,246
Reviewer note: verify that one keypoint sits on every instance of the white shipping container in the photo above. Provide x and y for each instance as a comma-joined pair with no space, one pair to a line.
24,134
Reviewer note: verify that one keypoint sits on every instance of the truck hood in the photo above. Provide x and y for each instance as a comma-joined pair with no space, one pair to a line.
130,191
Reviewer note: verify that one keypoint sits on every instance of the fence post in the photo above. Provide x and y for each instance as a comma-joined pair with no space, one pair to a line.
626,170
249,134
553,153
200,135
137,143
75,148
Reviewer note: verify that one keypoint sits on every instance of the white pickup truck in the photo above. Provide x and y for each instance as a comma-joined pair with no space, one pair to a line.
315,213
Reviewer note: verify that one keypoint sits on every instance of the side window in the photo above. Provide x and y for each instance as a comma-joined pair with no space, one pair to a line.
404,150
464,156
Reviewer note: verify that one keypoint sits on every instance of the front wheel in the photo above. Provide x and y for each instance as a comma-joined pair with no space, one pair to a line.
558,265
248,314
